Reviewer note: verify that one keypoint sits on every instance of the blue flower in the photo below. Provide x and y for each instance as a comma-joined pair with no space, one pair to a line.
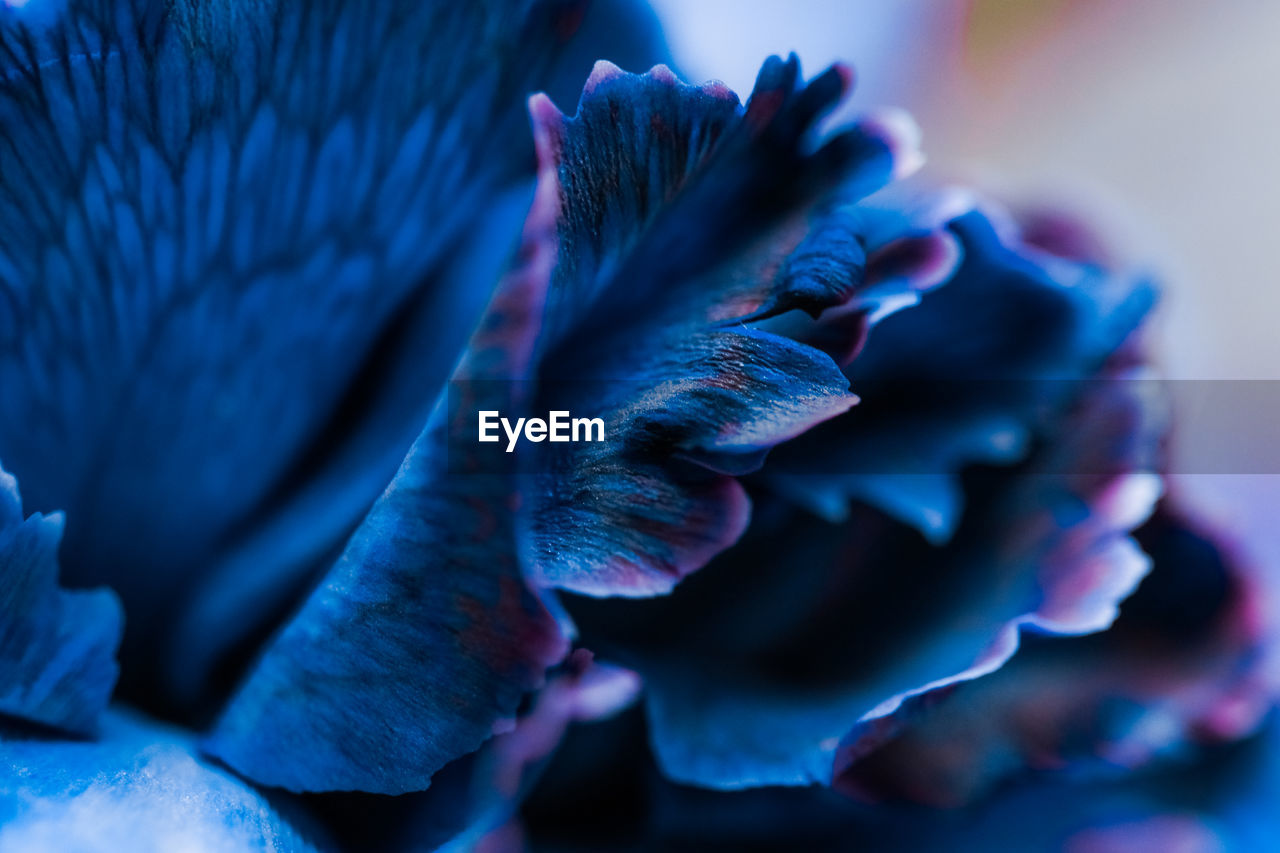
1114,740
263,264
838,627
241,252
241,255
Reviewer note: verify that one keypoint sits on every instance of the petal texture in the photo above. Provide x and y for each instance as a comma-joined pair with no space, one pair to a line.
968,376
424,635
686,220
140,787
241,249
794,653
1183,665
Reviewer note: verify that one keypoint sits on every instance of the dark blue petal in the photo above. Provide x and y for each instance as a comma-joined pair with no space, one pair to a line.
633,529
428,593
479,794
1209,800
1214,800
680,207
636,513
424,636
418,641
903,250
238,596
240,250
1182,665
140,786
968,376
682,217
785,657
57,647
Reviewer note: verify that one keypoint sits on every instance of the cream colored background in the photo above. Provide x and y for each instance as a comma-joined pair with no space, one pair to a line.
1162,117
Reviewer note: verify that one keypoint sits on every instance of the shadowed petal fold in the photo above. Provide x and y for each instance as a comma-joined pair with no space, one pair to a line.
1182,665
242,245
791,654
968,376
424,635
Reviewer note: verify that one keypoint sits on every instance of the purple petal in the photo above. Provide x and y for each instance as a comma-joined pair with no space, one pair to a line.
792,654
683,214
1181,666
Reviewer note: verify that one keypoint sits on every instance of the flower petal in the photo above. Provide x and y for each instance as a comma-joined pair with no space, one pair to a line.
968,376
57,647
479,793
1182,665
636,513
140,787
423,635
684,217
788,655
1212,800
241,249
680,207
419,639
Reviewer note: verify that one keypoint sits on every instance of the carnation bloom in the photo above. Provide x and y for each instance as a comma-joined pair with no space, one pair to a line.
262,265
926,568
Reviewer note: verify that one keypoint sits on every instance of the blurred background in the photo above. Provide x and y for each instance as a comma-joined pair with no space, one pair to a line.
1161,118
